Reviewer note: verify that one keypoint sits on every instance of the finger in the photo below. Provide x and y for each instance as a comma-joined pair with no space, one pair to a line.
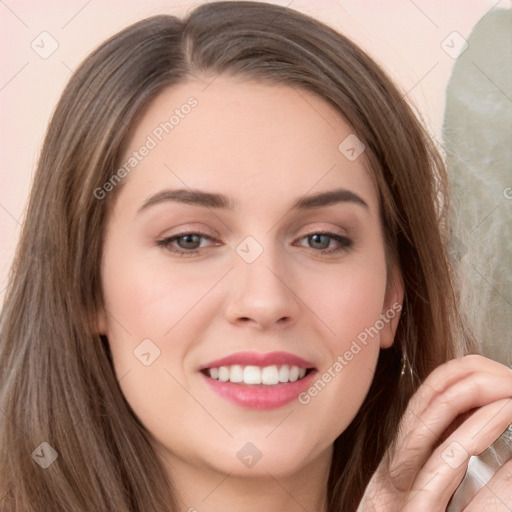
495,495
425,432
444,470
421,432
448,374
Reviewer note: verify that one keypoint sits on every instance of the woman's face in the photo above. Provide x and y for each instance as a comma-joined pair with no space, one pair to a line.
245,246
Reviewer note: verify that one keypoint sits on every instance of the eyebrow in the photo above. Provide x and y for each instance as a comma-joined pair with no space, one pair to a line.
220,201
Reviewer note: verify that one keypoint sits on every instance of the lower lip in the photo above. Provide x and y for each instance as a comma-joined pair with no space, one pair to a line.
261,396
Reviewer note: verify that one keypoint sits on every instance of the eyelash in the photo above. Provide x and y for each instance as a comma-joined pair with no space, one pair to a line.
344,243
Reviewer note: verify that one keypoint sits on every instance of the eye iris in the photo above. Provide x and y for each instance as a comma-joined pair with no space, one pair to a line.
320,241
189,241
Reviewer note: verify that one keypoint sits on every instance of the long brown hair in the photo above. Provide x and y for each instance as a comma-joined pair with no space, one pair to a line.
57,381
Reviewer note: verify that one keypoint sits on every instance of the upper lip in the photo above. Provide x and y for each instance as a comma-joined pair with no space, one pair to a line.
259,359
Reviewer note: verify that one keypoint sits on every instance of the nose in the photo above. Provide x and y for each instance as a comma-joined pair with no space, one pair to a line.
262,293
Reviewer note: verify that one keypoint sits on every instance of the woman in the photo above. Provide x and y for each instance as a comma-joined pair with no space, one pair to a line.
231,282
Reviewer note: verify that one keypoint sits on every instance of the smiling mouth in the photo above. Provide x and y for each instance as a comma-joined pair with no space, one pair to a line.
257,376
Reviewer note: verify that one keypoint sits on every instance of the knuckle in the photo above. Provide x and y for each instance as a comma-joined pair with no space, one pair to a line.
403,467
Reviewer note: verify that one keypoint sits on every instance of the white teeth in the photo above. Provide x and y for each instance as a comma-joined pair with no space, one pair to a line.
268,375
284,374
252,375
223,373
236,374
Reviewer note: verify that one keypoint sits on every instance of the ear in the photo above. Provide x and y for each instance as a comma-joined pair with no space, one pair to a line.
393,301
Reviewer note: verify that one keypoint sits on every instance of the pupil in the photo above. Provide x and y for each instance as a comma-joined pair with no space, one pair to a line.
320,241
189,241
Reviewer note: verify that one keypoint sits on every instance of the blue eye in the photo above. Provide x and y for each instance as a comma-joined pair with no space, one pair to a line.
185,243
190,244
322,242
190,241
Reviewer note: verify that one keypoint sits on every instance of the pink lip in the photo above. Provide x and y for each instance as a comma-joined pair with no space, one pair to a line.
259,359
260,396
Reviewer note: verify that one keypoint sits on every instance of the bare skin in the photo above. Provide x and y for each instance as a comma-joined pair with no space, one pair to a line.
264,147
422,473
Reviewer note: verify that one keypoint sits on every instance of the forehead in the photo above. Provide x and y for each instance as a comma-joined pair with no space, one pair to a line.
243,137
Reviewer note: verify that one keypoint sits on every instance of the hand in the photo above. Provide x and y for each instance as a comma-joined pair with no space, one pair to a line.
460,410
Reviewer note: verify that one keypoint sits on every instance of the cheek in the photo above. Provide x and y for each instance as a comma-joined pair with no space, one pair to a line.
149,328
350,299
146,297
342,383
351,305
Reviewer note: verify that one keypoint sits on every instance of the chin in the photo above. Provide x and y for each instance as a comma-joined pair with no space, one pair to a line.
259,454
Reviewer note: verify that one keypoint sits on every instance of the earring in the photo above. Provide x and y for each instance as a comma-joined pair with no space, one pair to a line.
406,366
